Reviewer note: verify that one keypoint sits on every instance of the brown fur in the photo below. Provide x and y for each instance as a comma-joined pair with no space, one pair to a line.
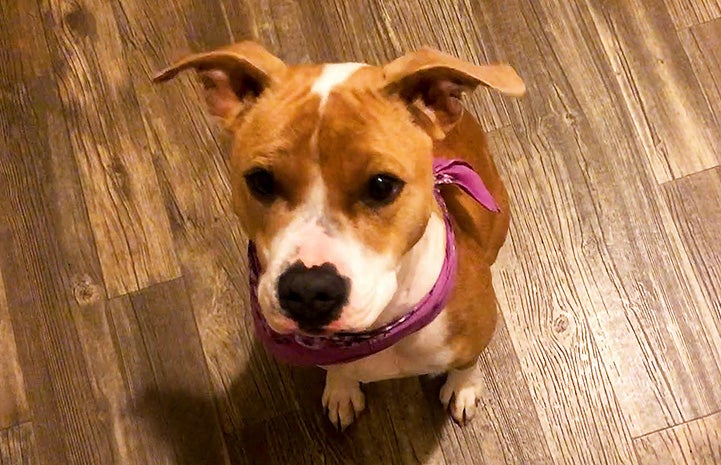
479,235
277,139
354,120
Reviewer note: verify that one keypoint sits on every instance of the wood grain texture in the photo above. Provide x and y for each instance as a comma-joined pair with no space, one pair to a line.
408,411
384,31
119,373
398,409
678,133
347,31
13,403
494,437
180,405
703,46
58,389
190,153
545,311
695,207
512,33
591,281
129,223
46,246
687,13
214,265
181,135
17,445
279,21
694,443
448,27
625,246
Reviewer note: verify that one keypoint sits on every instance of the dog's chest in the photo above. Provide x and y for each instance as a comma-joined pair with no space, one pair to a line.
425,352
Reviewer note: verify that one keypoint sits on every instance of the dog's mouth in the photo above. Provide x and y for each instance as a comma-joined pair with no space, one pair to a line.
307,327
322,331
336,327
283,323
336,286
346,321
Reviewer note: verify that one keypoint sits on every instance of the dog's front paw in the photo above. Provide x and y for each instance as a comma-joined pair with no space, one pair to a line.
343,400
460,395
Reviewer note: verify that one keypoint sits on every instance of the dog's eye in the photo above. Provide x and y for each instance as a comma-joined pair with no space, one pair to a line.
261,184
382,189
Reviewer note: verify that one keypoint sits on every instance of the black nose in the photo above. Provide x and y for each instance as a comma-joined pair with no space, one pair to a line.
312,296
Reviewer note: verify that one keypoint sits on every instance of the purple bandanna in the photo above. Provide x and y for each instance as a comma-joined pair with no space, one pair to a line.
304,350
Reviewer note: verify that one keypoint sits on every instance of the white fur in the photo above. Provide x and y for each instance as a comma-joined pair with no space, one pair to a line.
332,75
342,399
461,393
418,270
425,351
284,251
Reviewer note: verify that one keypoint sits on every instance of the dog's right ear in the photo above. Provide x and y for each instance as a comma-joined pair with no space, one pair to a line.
233,76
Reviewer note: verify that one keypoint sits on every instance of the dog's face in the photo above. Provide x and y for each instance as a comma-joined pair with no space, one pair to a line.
334,190
331,170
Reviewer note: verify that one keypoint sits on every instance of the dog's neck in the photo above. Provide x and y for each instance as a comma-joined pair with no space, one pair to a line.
418,270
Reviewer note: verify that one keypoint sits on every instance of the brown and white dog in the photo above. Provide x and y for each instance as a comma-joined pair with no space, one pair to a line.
332,178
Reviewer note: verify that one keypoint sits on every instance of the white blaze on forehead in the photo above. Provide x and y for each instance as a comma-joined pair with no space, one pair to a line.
331,76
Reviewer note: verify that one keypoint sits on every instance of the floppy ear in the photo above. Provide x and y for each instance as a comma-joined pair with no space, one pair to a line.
432,83
233,76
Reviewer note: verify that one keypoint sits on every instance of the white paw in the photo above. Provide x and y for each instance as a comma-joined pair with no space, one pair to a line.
343,400
460,395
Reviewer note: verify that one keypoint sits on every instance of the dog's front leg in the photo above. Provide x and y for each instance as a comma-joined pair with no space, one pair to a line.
460,395
343,399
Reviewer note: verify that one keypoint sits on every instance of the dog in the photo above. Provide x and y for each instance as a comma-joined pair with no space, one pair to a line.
374,212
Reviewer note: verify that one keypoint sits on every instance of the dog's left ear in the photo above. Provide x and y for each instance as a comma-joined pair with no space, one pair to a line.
432,83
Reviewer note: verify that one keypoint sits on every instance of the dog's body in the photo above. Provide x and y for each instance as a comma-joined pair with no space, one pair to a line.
332,180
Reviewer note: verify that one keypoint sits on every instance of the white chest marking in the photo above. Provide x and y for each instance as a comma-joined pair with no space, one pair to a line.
331,76
427,350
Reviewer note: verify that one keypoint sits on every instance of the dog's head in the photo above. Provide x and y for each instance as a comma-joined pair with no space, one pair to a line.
331,171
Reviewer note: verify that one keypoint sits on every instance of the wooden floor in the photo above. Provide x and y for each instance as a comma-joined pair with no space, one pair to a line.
124,331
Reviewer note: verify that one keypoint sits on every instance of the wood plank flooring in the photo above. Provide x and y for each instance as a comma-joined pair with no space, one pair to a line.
124,329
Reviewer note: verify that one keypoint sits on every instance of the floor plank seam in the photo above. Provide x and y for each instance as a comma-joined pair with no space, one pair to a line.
147,288
686,422
700,23
690,175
